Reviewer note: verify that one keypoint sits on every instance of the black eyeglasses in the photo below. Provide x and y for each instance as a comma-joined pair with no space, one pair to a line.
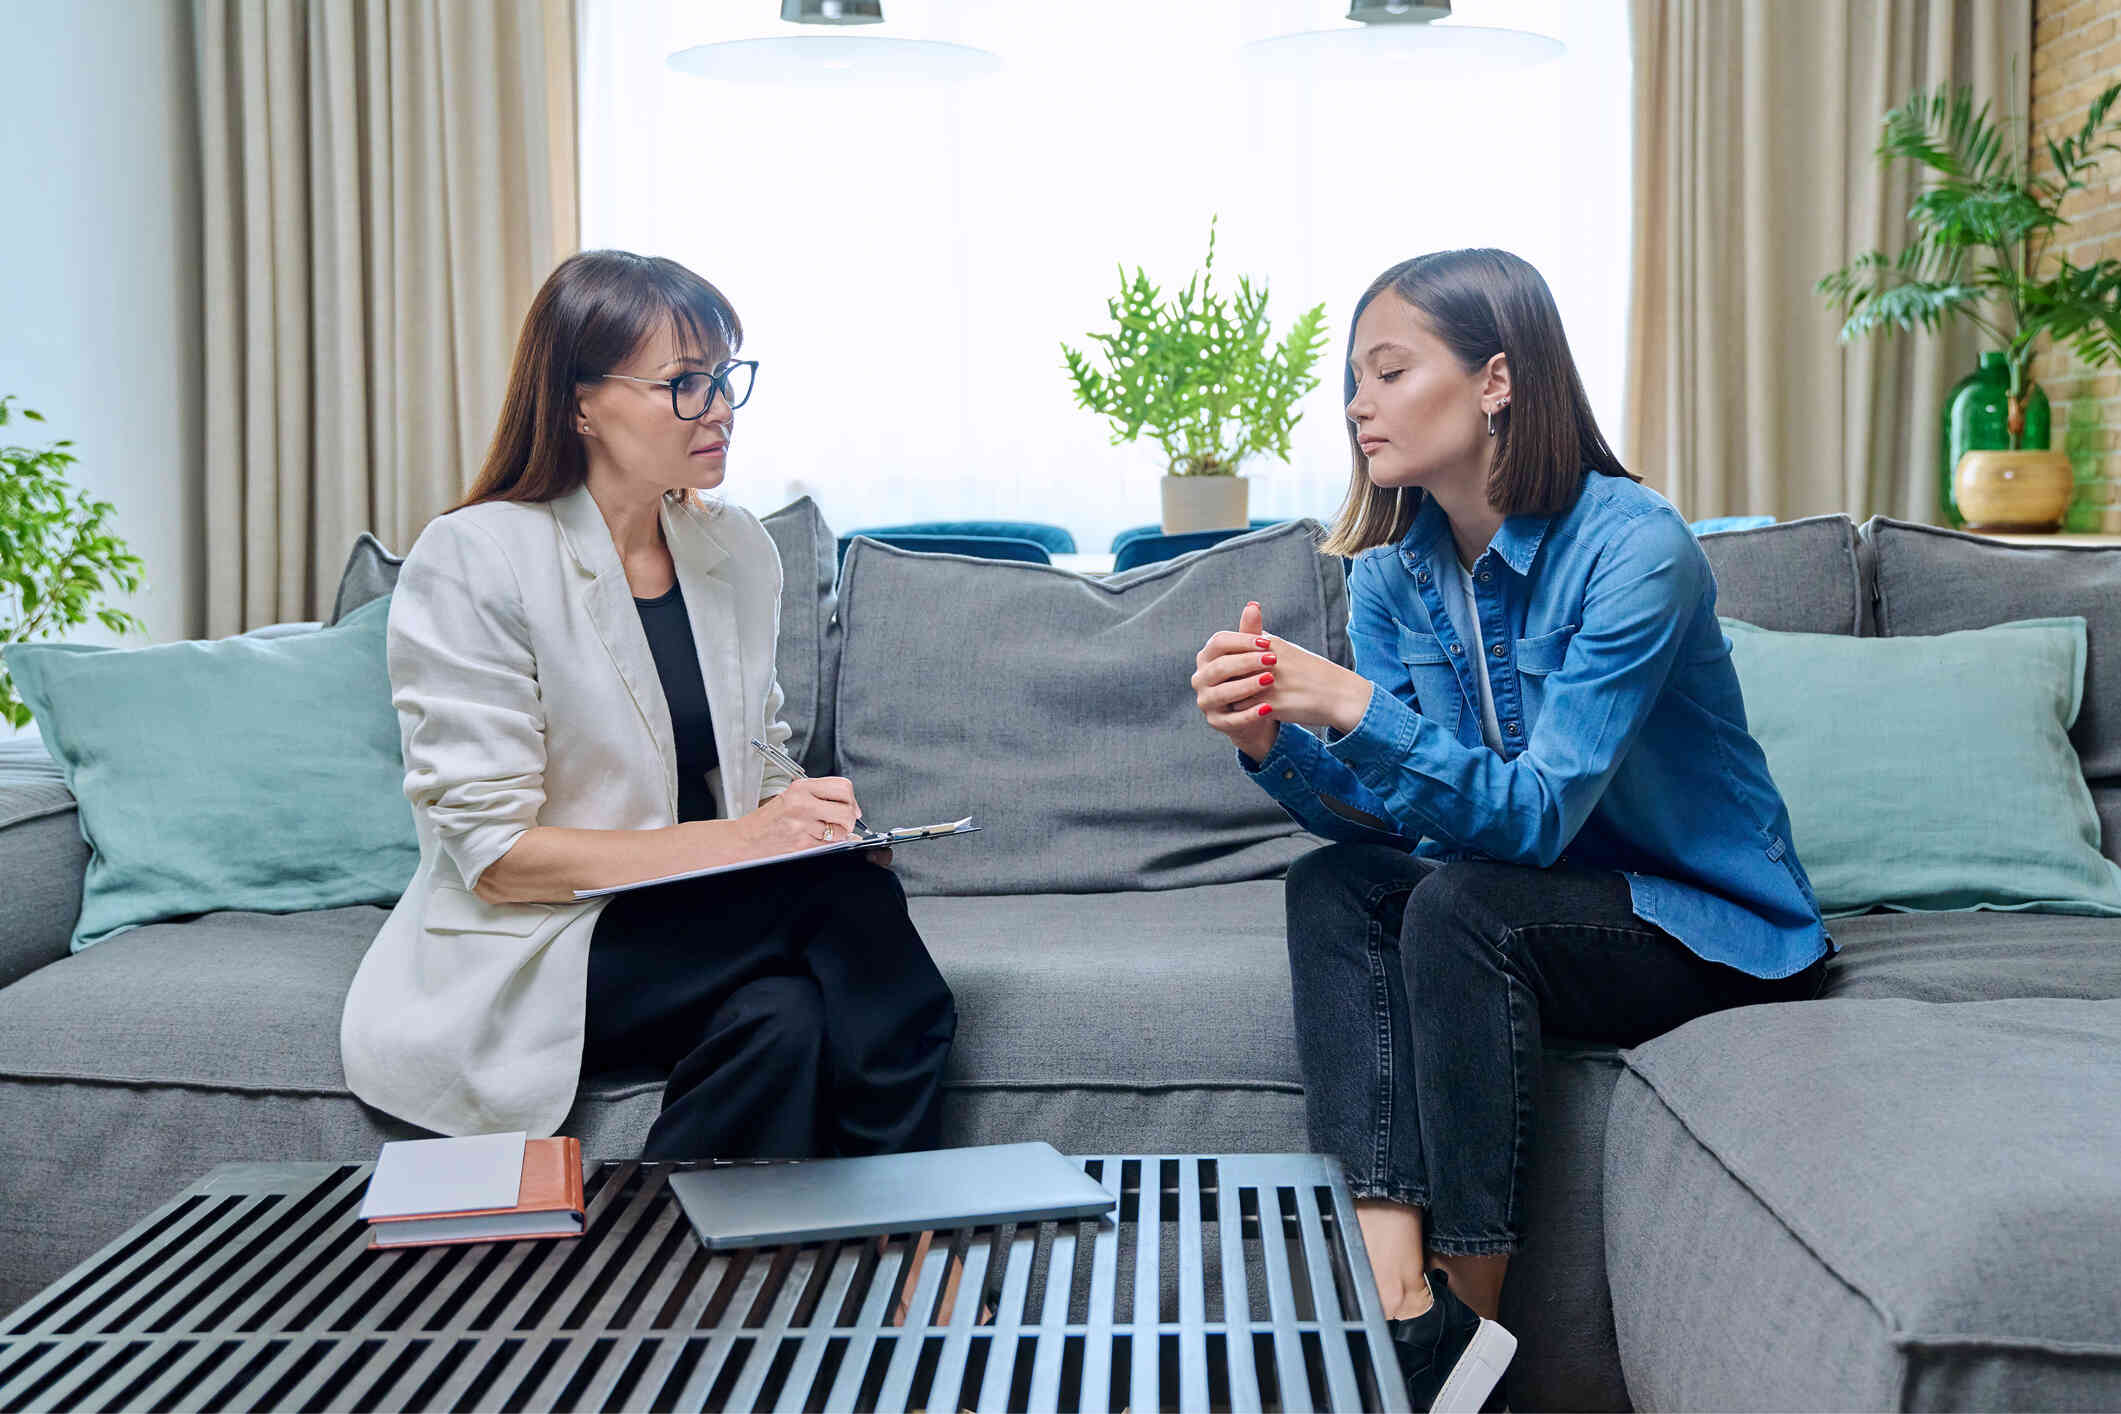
691,394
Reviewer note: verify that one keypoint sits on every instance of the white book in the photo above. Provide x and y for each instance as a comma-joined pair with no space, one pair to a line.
469,1174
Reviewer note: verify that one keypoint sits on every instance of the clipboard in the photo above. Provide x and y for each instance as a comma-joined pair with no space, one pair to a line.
875,839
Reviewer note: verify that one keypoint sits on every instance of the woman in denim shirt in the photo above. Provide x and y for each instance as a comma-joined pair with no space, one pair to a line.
1549,814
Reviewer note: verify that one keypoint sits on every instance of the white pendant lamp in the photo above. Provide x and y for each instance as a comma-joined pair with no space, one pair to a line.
1400,39
834,59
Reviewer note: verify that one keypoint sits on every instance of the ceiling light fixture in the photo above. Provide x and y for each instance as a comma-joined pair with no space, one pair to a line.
1400,39
834,58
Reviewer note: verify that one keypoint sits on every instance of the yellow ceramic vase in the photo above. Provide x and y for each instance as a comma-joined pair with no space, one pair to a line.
2020,492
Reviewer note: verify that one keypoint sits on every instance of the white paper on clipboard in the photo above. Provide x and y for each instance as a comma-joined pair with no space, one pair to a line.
875,839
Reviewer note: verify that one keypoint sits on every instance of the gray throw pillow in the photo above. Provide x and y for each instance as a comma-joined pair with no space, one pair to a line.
371,572
805,655
1932,580
1055,709
1800,576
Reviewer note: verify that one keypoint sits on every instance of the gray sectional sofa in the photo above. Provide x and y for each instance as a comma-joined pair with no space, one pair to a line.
1900,1196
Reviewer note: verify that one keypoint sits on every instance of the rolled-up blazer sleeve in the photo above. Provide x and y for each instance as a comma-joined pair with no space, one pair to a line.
464,681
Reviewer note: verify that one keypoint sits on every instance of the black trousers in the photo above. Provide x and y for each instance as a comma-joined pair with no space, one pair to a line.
1422,993
795,1007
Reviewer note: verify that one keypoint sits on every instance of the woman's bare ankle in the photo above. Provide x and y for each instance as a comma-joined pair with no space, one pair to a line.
1403,1301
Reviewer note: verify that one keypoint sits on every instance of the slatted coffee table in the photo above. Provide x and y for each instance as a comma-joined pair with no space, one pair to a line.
1235,1282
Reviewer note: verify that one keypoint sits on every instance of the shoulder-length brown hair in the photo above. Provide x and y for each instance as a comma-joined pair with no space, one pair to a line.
588,318
1481,303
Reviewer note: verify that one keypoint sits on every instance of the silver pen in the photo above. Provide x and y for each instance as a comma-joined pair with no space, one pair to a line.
787,763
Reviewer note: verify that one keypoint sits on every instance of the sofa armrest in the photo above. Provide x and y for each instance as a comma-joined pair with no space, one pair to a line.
42,859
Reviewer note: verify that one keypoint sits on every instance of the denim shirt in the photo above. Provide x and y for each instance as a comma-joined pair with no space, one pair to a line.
1624,736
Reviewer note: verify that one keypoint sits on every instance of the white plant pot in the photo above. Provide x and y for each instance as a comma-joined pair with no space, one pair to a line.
1205,503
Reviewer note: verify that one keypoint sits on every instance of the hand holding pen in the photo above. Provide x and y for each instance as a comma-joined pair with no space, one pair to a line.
813,810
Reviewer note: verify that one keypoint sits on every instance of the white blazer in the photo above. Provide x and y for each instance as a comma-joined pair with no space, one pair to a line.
526,695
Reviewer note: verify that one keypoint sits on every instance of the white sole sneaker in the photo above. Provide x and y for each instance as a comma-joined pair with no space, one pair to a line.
1477,1372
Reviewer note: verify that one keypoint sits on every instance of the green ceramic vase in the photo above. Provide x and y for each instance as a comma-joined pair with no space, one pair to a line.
1977,418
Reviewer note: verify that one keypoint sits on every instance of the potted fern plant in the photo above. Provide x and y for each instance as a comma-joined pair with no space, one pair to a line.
1981,249
1202,375
58,556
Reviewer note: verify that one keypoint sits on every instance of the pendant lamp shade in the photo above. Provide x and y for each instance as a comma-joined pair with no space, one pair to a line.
1398,40
831,59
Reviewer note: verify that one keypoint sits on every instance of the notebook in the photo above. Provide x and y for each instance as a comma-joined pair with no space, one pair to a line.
434,1192
875,839
760,1205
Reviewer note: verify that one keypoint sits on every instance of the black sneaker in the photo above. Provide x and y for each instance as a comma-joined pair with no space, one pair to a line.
1451,1357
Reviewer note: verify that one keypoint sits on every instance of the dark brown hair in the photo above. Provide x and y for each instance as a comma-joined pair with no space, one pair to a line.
589,316
1481,303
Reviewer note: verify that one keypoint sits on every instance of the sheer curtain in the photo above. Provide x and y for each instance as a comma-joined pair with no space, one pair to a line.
907,262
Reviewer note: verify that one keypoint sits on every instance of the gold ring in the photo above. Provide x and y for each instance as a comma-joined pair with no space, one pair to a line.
830,834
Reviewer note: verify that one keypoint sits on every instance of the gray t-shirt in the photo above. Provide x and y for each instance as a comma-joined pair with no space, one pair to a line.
1458,600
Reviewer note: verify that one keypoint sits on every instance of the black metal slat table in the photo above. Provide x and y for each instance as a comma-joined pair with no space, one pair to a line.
254,1289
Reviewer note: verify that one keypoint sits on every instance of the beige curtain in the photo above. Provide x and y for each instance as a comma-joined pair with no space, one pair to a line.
386,183
1755,123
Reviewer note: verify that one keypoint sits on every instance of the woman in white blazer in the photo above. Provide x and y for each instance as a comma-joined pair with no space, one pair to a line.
580,656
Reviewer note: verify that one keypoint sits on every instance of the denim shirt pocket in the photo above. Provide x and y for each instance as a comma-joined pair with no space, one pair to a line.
1538,659
1436,692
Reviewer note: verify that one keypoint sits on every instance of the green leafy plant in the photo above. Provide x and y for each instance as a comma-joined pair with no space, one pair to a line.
59,559
1983,232
1200,373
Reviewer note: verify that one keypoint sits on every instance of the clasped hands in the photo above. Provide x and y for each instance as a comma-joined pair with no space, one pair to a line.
1247,682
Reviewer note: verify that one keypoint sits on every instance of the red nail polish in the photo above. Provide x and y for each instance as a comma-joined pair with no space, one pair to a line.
1267,661
1265,707
1262,643
1266,679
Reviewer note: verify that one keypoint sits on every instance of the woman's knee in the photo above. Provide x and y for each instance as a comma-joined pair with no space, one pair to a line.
1452,906
1340,872
786,1017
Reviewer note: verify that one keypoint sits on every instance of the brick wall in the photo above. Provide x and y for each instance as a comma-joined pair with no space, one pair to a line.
2076,53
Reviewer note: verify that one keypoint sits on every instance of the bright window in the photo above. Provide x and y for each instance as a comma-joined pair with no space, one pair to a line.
907,262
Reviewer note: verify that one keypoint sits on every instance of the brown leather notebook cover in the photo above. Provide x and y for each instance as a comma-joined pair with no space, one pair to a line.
552,1183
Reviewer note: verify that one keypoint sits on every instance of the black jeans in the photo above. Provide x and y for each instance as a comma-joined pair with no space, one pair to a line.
1422,991
795,1007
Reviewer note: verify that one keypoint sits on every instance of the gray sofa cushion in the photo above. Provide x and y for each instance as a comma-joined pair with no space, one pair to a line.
1063,991
1871,1205
371,572
1976,957
1055,708
42,858
1800,576
803,657
1934,581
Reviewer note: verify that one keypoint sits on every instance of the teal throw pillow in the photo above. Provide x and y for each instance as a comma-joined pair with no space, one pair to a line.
248,773
1931,773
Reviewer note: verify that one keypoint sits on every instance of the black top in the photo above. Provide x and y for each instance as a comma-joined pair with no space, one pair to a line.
677,663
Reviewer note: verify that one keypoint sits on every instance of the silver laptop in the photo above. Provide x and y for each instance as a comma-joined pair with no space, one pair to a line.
758,1205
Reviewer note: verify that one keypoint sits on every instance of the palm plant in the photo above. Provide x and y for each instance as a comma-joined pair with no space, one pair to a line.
1982,237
